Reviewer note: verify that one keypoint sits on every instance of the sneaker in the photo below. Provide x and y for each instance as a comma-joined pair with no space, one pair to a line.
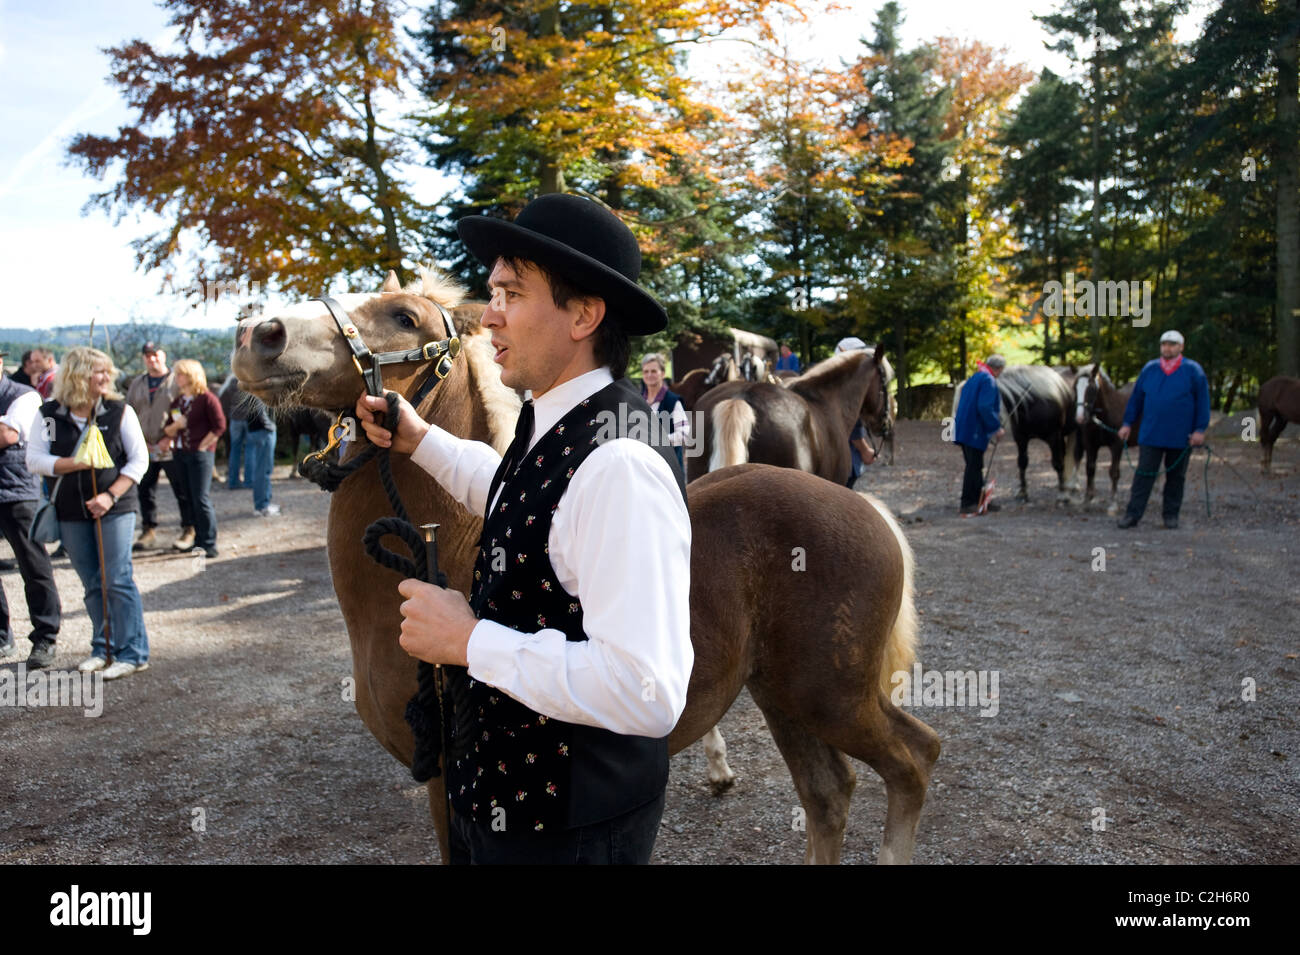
119,669
59,551
148,539
91,664
186,540
7,649
1126,522
271,510
42,655
991,506
211,552
1171,523
6,564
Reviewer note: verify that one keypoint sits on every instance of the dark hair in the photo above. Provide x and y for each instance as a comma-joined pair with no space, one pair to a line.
610,343
27,354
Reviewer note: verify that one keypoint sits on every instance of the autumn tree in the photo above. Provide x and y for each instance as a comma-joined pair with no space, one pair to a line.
538,96
909,279
265,138
979,84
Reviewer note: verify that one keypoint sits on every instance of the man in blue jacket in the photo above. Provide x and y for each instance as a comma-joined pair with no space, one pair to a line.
978,419
1173,398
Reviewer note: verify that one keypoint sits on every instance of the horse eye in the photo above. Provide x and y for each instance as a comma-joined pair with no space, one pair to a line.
405,320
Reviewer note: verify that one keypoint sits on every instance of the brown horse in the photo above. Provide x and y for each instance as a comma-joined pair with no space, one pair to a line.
804,424
1279,402
1098,412
695,383
822,676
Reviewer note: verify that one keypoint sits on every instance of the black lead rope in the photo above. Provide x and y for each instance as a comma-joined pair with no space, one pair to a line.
424,711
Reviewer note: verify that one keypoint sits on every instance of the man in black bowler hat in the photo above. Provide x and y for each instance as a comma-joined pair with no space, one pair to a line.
576,635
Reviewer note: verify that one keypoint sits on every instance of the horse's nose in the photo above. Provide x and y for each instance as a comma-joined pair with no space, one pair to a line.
269,339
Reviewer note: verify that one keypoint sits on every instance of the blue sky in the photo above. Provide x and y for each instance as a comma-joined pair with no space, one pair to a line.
60,267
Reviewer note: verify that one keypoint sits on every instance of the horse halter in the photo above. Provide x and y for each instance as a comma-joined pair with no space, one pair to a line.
442,353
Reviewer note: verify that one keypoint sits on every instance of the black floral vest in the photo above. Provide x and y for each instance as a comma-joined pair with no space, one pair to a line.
77,487
544,773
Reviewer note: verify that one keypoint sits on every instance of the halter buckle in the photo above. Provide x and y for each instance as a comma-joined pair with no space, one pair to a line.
337,432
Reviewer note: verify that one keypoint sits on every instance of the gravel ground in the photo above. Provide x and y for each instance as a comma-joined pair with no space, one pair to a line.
1119,696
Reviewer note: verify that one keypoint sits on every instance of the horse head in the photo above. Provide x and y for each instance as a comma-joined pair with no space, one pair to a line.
875,404
719,371
302,355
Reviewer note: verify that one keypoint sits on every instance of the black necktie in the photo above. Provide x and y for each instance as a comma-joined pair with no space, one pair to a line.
515,453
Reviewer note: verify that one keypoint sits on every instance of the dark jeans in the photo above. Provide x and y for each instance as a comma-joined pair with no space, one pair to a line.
972,482
149,493
624,840
1149,462
38,576
196,466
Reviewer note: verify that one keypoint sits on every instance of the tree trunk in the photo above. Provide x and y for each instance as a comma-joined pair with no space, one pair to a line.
1094,322
1288,190
550,176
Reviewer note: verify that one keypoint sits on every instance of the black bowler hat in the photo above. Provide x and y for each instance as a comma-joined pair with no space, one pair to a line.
579,241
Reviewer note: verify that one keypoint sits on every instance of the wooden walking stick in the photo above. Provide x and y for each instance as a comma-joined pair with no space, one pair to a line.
92,452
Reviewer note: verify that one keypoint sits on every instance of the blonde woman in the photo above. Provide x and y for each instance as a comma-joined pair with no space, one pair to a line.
83,392
197,421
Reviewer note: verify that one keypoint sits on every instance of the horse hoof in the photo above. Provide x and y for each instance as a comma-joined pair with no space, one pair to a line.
720,786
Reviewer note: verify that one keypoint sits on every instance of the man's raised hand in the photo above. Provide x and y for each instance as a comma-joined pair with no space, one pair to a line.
411,429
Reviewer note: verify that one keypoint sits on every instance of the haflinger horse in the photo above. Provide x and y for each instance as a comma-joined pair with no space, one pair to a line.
696,382
1279,402
803,424
1098,413
1038,402
822,676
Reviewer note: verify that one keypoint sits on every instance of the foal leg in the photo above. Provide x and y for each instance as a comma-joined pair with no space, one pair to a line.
903,751
721,778
823,778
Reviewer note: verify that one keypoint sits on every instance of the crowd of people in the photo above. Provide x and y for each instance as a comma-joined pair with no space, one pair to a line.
167,423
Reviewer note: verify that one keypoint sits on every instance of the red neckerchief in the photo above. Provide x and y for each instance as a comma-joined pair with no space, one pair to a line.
980,366
1171,366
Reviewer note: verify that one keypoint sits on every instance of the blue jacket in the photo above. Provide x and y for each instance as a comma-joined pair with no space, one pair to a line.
1171,406
977,411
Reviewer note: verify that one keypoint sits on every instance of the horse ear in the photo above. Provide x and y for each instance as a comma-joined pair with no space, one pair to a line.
391,284
1073,369
879,356
427,280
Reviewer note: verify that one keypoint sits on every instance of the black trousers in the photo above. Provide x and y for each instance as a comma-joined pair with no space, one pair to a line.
972,482
38,576
624,840
1149,462
149,493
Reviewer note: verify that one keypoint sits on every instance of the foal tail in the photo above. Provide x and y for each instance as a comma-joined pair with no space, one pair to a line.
900,648
733,423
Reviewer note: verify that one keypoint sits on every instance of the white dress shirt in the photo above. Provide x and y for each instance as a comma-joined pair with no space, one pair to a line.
620,540
40,461
23,410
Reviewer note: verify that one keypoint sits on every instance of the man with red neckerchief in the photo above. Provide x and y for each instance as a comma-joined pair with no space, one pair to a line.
1172,396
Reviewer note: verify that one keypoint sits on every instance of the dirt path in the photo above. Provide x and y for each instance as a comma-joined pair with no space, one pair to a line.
1120,692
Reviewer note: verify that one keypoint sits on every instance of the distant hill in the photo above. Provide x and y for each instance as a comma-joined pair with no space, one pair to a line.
210,347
